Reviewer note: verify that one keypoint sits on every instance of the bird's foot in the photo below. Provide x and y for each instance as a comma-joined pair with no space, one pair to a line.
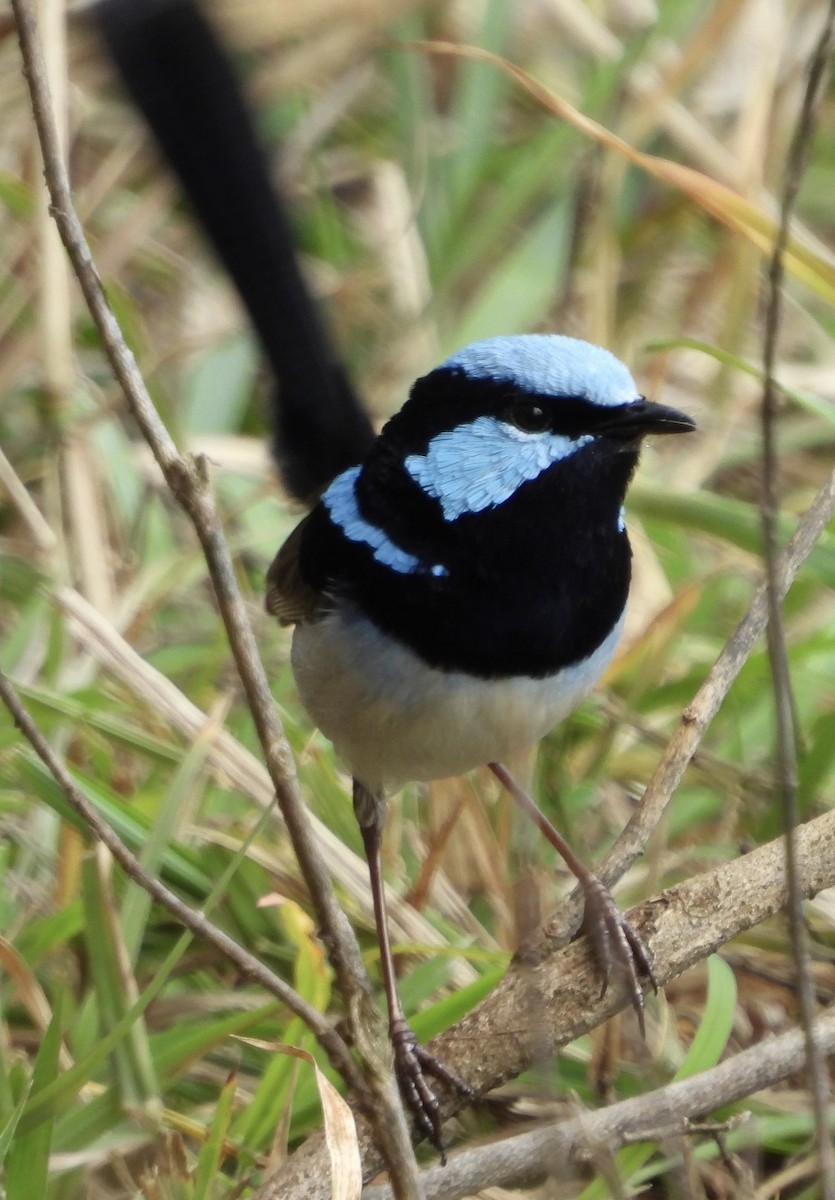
619,949
412,1066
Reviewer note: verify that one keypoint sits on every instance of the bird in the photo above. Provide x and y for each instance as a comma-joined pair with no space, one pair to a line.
460,590
460,582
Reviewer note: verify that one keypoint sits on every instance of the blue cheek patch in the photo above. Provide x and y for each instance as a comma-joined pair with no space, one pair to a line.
341,502
481,464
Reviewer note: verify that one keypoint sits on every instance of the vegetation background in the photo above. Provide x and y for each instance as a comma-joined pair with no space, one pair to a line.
435,203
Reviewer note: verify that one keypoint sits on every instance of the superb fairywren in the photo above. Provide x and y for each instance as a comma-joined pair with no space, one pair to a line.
459,593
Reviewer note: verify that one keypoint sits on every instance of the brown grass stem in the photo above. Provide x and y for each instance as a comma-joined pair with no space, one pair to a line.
186,479
784,706
696,719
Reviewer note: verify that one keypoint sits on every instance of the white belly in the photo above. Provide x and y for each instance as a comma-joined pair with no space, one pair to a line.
392,718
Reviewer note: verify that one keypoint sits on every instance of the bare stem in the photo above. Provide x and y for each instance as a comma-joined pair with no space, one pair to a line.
695,721
784,707
186,479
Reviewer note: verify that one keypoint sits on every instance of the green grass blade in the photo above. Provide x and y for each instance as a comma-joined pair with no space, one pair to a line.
27,1163
213,1151
705,1050
116,989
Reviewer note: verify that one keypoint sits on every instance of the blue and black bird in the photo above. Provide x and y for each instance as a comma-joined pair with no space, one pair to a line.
461,583
460,591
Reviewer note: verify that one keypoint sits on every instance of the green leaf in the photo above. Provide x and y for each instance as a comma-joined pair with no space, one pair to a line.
445,1012
714,1029
116,989
214,1148
27,1163
704,1051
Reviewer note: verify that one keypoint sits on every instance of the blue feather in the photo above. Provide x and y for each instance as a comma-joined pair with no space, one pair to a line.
341,502
481,464
549,364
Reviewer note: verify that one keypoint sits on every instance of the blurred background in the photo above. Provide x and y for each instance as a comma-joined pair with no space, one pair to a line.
435,202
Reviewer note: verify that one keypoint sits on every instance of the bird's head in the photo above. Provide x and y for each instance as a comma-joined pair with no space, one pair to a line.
485,528
503,412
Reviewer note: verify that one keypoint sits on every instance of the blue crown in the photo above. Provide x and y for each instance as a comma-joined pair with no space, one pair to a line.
548,364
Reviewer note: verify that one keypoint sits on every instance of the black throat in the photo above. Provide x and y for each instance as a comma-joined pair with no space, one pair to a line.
528,587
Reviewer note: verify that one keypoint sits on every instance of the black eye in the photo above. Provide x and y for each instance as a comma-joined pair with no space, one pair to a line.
528,416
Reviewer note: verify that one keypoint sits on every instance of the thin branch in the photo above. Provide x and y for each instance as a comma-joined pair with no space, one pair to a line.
531,1156
784,708
187,481
537,1009
190,918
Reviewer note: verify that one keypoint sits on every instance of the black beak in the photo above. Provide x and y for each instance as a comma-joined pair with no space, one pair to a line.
636,420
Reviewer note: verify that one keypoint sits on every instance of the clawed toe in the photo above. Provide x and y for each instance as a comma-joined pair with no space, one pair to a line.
413,1066
618,947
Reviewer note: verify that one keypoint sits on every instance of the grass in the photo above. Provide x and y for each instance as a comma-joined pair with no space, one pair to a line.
436,202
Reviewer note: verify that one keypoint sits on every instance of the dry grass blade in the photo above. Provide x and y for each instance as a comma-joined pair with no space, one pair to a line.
98,635
814,265
340,1130
191,919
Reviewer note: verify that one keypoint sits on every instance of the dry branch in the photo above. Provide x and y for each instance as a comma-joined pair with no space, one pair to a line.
786,730
528,1157
537,1009
186,479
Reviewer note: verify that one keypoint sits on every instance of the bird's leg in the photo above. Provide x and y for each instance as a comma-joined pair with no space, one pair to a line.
617,945
412,1064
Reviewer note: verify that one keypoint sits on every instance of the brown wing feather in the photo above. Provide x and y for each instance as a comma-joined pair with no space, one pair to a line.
288,596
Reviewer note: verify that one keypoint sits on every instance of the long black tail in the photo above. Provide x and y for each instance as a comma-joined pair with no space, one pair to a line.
180,78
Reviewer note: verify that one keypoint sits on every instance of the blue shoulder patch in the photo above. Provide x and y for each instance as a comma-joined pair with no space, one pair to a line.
481,464
341,502
550,364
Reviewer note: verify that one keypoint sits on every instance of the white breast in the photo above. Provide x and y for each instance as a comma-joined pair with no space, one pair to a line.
392,718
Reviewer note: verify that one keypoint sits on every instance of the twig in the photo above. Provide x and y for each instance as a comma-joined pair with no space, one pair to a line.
536,1010
191,918
530,1156
186,478
784,708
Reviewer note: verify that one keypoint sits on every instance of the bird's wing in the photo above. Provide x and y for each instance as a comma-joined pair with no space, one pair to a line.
289,596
